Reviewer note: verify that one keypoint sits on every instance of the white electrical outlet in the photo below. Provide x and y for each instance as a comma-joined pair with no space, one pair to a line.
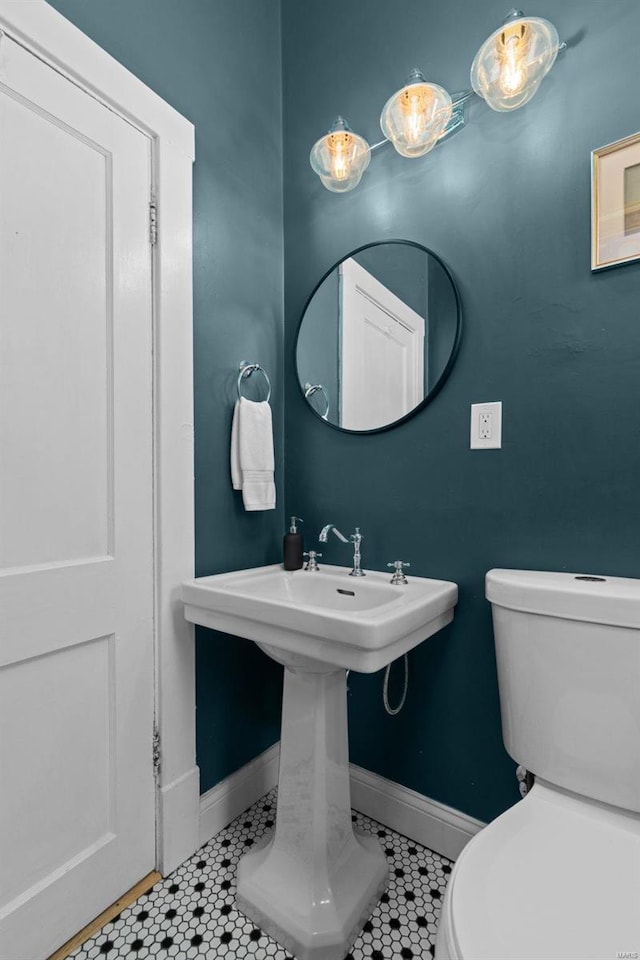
486,426
485,430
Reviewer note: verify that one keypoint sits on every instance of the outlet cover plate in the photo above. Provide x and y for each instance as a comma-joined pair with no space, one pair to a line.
486,426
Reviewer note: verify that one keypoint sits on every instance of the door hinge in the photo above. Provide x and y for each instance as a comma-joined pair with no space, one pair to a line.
153,223
156,750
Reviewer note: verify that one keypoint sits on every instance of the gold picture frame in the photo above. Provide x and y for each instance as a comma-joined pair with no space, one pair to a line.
615,203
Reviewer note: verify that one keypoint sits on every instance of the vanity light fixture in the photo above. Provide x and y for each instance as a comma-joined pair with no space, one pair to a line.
506,72
340,157
511,64
415,118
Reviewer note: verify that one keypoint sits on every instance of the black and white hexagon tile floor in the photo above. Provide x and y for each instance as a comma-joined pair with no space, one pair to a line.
192,914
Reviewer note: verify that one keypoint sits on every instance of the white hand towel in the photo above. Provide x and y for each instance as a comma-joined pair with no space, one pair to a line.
236,473
255,454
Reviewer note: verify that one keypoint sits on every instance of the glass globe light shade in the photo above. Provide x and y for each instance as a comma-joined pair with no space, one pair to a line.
509,67
340,157
415,118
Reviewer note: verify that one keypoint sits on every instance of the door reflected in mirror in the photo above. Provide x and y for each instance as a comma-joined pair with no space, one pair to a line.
378,336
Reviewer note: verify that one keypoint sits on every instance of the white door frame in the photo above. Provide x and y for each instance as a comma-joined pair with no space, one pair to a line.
46,33
357,287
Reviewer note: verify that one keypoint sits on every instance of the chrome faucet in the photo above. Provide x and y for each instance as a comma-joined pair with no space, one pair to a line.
355,539
324,533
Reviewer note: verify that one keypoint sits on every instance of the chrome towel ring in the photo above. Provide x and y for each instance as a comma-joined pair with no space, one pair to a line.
246,369
310,389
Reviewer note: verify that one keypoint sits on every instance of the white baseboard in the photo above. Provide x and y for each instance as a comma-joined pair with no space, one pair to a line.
224,802
428,822
177,833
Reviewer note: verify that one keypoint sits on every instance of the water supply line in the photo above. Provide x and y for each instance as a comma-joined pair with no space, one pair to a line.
392,711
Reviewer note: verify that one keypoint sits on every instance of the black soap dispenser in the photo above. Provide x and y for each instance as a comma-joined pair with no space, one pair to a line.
292,546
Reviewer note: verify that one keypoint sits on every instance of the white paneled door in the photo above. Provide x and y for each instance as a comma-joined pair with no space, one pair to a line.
77,825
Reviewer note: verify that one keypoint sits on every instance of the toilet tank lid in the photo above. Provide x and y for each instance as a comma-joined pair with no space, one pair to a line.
574,596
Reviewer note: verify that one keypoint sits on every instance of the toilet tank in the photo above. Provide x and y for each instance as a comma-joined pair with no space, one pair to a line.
568,656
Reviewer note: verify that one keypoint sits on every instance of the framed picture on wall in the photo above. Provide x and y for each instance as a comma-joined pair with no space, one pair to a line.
615,203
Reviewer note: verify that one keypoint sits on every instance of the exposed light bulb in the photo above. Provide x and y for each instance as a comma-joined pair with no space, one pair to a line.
513,76
340,157
414,102
339,146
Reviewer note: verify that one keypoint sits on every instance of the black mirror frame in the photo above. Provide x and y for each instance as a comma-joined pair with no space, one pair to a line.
438,385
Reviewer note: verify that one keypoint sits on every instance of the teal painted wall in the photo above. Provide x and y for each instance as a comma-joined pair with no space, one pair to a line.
506,204
402,269
318,350
219,65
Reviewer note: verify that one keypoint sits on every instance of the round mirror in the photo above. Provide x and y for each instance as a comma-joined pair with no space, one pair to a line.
378,336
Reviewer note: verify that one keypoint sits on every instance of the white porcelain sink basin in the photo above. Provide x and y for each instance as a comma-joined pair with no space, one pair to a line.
325,616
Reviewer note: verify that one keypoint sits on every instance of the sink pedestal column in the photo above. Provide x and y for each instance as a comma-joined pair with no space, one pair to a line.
314,882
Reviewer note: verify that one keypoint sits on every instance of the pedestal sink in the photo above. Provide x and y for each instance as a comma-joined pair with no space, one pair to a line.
314,882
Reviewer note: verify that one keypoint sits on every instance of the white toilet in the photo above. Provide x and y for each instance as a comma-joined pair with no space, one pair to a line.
557,877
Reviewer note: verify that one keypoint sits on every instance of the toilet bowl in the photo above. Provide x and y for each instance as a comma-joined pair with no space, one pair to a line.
558,875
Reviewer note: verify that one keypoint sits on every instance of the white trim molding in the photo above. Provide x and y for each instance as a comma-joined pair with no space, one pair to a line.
228,799
53,38
428,822
177,809
48,35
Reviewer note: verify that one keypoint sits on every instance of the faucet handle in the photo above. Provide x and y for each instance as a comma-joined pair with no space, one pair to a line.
399,575
312,563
